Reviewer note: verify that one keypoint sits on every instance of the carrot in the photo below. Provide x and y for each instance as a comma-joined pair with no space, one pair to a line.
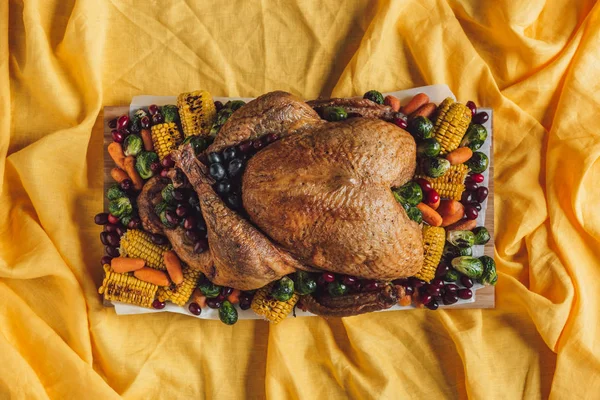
124,264
138,182
415,103
459,156
199,298
405,300
426,110
430,215
173,267
463,225
234,297
451,211
392,101
152,275
118,174
147,138
115,150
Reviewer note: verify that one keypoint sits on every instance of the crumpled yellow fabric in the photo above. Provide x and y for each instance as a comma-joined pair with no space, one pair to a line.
535,62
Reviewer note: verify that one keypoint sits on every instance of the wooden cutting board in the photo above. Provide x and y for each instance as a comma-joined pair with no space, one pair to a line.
485,297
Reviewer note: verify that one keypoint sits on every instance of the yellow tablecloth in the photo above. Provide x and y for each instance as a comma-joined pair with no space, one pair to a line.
536,63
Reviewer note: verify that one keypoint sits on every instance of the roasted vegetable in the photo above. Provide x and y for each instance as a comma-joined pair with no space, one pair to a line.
209,289
136,120
451,276
334,114
120,207
234,105
126,288
161,210
227,313
273,310
433,246
143,162
167,194
133,145
461,239
478,162
180,294
451,251
469,266
482,236
435,167
415,214
304,283
166,137
374,96
410,193
136,243
421,128
283,290
337,289
428,148
199,143
475,136
170,112
114,192
222,117
197,112
489,276
451,185
451,123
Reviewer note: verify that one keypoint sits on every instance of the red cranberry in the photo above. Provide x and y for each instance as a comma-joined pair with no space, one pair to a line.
226,291
158,239
104,238
478,178
201,246
481,118
432,197
105,260
471,186
189,223
371,286
121,230
218,105
465,294
112,251
110,227
481,194
466,281
409,290
101,219
155,167
471,106
425,184
158,118
181,210
438,282
126,185
245,147
466,198
270,138
117,136
471,212
442,269
134,223
450,298
451,287
416,283
433,290
159,305
257,144
112,124
112,219
168,162
426,299
195,308
432,305
401,122
145,122
152,109
328,277
123,122
349,280
164,173
214,303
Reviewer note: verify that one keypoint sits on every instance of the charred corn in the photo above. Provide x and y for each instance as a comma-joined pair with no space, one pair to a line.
138,244
451,124
434,238
180,294
451,185
126,288
275,311
197,112
165,137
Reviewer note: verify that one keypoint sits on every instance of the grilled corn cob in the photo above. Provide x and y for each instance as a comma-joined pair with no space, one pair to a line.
138,244
180,294
126,288
271,309
451,185
451,124
197,112
165,137
434,239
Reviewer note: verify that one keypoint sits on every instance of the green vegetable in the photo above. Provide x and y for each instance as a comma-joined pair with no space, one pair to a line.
421,128
489,276
478,162
415,214
303,283
126,219
167,193
374,96
410,193
337,289
451,251
482,236
135,124
222,117
209,289
335,114
435,167
120,207
461,239
227,313
429,148
170,112
133,145
451,276
160,209
475,136
234,104
114,192
143,162
470,266
283,289
199,143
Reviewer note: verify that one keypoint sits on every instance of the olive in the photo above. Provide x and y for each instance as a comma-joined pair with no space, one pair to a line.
101,219
471,106
152,109
192,236
245,147
104,238
189,222
466,281
126,185
195,308
112,124
229,153
481,194
159,305
465,294
145,122
245,301
217,171
117,136
432,305
481,118
235,166
213,303
226,291
442,270
214,158
471,212
218,105
200,246
158,118
234,201
158,239
223,187
112,239
123,122
471,186
112,251
105,260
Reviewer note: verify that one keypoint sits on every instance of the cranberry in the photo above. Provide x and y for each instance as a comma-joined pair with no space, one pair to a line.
438,282
112,219
471,212
466,198
158,239
178,195
481,194
112,239
168,162
270,138
112,251
328,277
121,230
195,308
471,106
112,124
192,236
110,227
181,210
245,302
432,197
450,298
478,178
134,223
416,283
476,205
245,147
164,173
123,122
214,303
471,186
450,287
126,185
481,118
466,281
158,118
409,290
155,167
201,246
145,122
432,305
101,219
117,136
105,260
433,290
226,291
257,144
442,269
465,294
104,238
426,299
371,286
152,109
349,280
401,122
220,298
157,304
425,184
218,105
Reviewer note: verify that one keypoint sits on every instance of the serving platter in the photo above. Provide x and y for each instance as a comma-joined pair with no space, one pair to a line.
484,296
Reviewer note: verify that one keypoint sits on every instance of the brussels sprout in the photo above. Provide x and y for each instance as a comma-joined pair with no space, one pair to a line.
335,114
114,192
489,276
133,145
421,128
143,162
415,214
374,96
451,276
461,239
429,148
161,210
136,125
435,167
209,289
469,266
199,143
126,219
234,105
474,138
482,236
120,207
167,193
170,112
410,193
478,162
337,289
451,251
283,289
227,313
222,117
304,284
